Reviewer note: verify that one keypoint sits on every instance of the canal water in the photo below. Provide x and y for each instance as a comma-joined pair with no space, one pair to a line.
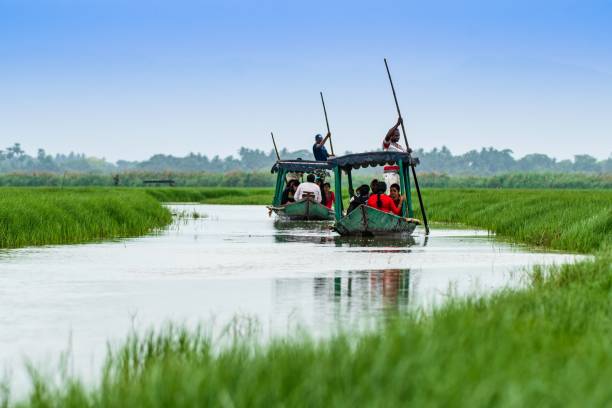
219,262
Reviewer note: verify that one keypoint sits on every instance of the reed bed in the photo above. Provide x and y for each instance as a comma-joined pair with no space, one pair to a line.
569,220
548,346
33,216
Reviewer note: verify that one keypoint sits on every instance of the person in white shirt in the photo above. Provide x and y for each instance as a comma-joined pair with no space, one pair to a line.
391,144
308,188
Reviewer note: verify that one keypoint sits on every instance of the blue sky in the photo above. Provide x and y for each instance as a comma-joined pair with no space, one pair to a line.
126,79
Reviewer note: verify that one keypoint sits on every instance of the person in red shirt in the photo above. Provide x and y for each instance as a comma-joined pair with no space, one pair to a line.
329,195
383,202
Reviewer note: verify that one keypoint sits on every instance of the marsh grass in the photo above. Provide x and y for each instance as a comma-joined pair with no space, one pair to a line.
46,216
569,220
547,345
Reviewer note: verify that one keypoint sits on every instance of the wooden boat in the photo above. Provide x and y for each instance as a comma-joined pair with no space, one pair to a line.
366,220
303,210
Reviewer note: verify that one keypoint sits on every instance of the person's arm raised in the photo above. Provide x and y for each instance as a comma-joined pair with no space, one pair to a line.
392,130
327,136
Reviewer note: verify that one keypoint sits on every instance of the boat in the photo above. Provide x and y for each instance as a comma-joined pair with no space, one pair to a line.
304,210
365,220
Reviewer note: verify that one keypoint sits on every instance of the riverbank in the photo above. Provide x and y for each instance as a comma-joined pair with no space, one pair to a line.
546,345
41,216
568,220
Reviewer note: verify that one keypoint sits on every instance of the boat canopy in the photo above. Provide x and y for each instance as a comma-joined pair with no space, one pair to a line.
373,159
302,166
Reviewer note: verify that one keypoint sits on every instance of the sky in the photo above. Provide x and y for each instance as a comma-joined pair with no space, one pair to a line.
129,79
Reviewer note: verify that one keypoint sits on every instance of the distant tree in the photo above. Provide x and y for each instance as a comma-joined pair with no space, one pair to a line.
585,163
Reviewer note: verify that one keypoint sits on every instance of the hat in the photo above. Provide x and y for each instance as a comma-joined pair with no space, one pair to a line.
318,137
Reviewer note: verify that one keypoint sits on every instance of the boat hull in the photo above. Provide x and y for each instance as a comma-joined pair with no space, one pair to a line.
368,221
304,210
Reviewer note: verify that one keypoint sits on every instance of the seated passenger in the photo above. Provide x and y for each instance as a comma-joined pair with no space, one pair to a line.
308,189
328,196
360,198
373,187
394,193
383,202
319,182
289,192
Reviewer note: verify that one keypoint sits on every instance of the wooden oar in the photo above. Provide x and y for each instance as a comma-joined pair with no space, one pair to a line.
416,181
275,148
331,145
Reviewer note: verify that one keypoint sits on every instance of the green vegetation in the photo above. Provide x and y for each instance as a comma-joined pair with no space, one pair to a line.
486,161
266,179
237,196
68,216
570,220
546,345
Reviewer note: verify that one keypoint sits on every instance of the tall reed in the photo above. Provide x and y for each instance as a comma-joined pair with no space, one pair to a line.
66,216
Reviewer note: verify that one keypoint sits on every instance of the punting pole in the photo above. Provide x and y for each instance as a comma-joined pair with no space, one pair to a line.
275,148
331,145
416,181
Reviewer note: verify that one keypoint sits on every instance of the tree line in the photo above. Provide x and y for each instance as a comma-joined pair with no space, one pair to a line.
266,179
483,162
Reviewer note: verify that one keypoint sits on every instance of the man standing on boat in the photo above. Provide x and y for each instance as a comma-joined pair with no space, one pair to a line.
391,144
318,149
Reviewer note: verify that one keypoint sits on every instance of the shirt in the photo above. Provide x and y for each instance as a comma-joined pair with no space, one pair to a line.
356,202
308,187
319,152
392,147
287,196
330,200
387,204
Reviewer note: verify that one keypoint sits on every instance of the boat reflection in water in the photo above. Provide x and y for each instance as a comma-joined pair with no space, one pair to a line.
345,300
366,291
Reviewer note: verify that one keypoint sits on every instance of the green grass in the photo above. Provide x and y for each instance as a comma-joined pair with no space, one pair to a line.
32,216
546,345
213,195
570,220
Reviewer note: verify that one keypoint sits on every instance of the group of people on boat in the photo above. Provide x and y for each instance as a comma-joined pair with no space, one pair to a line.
382,195
390,143
375,195
315,188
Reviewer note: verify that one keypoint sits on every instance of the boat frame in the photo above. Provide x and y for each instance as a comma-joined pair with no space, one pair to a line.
366,220
303,210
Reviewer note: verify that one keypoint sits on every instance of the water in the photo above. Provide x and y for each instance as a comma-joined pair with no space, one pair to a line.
235,261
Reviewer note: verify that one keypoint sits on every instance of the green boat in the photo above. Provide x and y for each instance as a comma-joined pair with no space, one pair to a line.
365,220
303,210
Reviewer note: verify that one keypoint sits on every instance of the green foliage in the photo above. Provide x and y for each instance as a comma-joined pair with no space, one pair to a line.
547,346
236,196
571,220
485,162
265,179
66,216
